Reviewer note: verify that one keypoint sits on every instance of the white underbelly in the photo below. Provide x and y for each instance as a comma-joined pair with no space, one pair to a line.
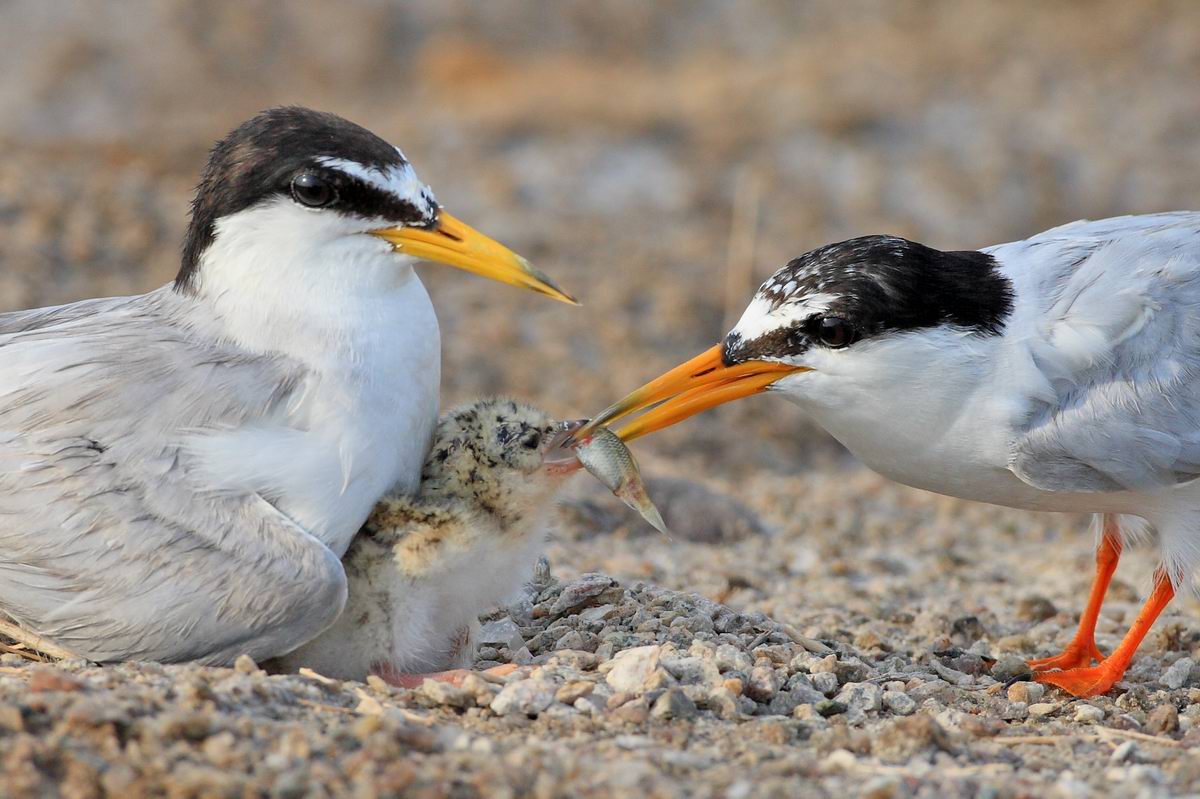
956,462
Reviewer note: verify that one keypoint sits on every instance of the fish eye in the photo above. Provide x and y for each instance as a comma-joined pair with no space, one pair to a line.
312,190
835,332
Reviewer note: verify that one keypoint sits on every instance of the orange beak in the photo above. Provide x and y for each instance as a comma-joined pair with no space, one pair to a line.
697,385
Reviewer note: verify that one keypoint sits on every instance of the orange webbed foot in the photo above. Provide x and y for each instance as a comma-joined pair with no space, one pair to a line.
1084,682
1075,656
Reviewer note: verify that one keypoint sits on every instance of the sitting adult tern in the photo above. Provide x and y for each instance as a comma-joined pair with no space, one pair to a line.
1059,373
181,471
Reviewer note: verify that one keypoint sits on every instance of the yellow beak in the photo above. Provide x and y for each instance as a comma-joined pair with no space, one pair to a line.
453,242
697,385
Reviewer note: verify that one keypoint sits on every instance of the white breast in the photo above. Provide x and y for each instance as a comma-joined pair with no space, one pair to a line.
357,315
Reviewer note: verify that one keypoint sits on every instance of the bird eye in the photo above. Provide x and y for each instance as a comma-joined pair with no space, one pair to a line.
312,190
532,440
835,332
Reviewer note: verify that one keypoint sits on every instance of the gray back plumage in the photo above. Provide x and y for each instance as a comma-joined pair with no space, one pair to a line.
108,545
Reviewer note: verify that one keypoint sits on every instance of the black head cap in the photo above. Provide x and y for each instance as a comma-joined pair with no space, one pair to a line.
262,157
872,285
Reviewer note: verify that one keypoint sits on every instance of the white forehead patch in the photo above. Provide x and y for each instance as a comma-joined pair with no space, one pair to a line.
763,315
401,180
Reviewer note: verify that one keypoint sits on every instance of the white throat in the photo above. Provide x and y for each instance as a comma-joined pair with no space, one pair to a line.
282,278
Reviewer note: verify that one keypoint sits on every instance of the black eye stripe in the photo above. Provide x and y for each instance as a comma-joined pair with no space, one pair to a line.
356,197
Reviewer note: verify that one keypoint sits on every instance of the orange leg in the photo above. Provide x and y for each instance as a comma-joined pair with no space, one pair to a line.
1082,649
454,676
1096,680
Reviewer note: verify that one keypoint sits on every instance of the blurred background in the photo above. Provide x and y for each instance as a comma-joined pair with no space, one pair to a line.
658,159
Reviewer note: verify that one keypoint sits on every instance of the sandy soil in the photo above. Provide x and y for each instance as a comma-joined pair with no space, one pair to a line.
659,160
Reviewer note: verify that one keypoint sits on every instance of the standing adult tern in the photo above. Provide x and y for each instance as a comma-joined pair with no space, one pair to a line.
181,471
1059,373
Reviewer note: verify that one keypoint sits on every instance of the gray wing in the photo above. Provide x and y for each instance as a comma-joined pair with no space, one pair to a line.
1116,351
108,545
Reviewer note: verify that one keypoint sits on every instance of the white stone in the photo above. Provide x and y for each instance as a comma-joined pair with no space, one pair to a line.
524,696
632,670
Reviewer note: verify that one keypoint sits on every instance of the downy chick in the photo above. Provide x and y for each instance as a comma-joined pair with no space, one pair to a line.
424,567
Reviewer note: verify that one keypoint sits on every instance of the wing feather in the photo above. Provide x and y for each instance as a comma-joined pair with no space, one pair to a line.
1118,339
109,544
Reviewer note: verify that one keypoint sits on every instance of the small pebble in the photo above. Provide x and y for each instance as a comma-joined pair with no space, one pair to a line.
830,707
528,697
673,704
46,678
244,664
825,682
1042,709
1089,714
1035,608
762,685
1124,752
570,692
899,703
1011,668
1178,673
1027,692
1163,720
634,669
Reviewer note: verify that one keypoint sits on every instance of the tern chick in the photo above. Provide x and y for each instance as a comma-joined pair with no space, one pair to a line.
425,566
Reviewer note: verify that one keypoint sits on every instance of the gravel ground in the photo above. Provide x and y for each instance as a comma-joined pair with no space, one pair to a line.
621,687
810,627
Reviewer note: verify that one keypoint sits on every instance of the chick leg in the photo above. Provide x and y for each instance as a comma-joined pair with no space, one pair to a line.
1082,649
1098,679
405,679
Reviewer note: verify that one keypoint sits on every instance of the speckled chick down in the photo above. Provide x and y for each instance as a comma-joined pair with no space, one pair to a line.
424,567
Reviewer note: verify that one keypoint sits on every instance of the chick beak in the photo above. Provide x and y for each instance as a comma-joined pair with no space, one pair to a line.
559,456
697,385
451,241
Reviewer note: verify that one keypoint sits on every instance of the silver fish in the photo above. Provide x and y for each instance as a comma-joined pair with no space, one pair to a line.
605,455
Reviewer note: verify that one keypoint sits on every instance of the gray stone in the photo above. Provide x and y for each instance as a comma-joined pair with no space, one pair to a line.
673,704
693,670
1178,674
899,703
503,632
1011,668
826,682
730,658
860,696
590,589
